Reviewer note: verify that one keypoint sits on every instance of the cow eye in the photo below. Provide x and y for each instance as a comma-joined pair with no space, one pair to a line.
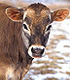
48,29
25,27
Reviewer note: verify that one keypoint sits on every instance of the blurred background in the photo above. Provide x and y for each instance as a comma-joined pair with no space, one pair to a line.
55,65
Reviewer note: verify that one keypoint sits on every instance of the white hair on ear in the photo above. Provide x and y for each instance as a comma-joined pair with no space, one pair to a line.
25,13
9,74
50,16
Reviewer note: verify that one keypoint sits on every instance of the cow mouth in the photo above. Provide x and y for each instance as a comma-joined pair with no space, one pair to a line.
35,55
36,51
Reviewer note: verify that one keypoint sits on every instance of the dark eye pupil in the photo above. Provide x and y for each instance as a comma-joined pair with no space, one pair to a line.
49,27
25,27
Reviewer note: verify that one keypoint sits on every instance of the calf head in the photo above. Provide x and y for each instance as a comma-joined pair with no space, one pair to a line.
35,30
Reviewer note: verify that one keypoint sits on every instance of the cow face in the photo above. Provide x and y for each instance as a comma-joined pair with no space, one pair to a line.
36,20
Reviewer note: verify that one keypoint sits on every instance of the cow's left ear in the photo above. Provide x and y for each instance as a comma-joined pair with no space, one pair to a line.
14,14
60,15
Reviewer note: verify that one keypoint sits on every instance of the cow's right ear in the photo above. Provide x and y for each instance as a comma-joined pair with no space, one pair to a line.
14,14
60,15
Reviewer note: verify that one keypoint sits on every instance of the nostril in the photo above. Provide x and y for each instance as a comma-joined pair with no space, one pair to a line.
33,51
42,51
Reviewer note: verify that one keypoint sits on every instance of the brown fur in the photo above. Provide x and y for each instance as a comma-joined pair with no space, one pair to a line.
12,54
38,14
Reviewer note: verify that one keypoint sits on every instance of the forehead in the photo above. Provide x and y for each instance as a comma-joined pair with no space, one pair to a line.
37,15
37,10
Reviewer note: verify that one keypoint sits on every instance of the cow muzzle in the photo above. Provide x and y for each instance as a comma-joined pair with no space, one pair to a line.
36,51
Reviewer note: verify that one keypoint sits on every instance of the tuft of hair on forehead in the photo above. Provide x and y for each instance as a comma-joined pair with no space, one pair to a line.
37,10
38,7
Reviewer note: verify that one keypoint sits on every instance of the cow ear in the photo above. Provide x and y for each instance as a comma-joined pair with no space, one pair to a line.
15,14
60,15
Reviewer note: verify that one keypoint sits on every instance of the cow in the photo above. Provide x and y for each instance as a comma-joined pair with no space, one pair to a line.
24,34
